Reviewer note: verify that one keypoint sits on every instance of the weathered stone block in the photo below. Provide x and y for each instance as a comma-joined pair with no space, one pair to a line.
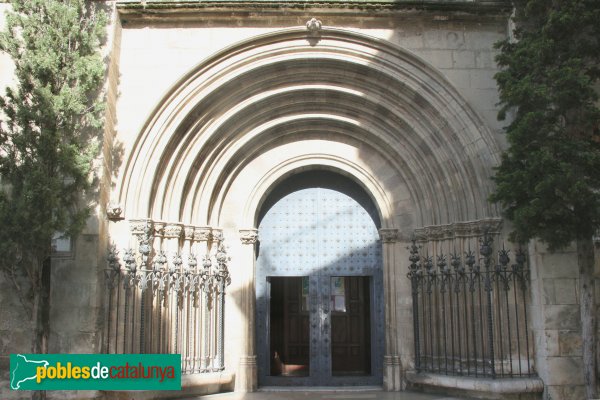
460,79
559,265
574,392
553,393
485,59
485,37
75,342
408,39
566,291
565,371
439,58
550,343
563,317
548,291
483,79
16,340
570,343
463,59
443,39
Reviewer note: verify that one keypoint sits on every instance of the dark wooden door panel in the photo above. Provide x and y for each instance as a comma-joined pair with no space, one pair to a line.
350,326
290,355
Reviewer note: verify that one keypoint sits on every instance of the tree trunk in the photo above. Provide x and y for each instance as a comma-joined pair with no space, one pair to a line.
587,303
41,317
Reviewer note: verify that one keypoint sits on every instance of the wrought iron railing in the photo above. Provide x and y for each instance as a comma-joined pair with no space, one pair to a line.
160,304
470,312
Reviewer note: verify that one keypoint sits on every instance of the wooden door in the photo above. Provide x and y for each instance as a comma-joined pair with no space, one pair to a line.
290,332
350,326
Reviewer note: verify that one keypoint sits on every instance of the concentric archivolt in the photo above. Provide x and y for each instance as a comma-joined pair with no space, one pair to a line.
401,124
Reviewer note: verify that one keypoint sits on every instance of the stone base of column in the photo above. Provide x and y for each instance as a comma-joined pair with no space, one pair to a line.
392,374
246,380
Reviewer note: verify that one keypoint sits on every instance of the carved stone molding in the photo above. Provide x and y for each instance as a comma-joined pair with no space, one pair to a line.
202,234
248,236
459,229
248,360
173,231
388,235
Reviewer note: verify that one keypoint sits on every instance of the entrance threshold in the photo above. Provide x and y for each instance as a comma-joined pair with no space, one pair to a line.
320,389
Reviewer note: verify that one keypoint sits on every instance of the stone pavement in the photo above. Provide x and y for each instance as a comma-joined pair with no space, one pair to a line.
302,394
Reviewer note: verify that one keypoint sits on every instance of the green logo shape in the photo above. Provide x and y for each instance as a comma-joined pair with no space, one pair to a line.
95,371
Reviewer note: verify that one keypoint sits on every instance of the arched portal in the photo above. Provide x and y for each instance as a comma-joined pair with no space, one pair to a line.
247,118
284,89
319,284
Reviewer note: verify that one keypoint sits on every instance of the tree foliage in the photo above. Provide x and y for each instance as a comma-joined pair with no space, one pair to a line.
549,178
46,134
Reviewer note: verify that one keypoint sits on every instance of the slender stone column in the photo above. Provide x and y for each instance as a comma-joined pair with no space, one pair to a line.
201,237
246,380
158,332
187,318
142,231
171,247
392,379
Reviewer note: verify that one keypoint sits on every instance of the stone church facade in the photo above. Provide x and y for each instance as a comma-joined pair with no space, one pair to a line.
264,171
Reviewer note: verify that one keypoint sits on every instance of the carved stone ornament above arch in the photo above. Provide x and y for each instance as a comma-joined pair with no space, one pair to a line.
354,104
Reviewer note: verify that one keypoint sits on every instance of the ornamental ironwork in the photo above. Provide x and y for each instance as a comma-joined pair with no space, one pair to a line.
160,302
470,311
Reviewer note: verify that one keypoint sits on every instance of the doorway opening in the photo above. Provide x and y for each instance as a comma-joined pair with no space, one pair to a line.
319,284
289,327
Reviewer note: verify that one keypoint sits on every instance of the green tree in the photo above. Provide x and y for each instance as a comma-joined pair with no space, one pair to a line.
49,118
549,179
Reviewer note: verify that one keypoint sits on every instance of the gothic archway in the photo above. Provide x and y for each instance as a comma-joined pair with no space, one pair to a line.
257,112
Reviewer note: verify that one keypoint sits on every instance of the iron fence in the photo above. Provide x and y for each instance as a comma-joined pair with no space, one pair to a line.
160,304
470,312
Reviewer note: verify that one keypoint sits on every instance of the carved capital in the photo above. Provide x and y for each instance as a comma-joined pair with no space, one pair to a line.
314,26
217,235
202,234
140,226
114,212
459,229
388,235
248,236
173,231
188,232
159,229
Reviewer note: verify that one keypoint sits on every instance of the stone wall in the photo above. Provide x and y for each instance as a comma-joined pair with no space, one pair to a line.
556,321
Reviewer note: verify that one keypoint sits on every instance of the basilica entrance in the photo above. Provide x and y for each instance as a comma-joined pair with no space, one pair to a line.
319,284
